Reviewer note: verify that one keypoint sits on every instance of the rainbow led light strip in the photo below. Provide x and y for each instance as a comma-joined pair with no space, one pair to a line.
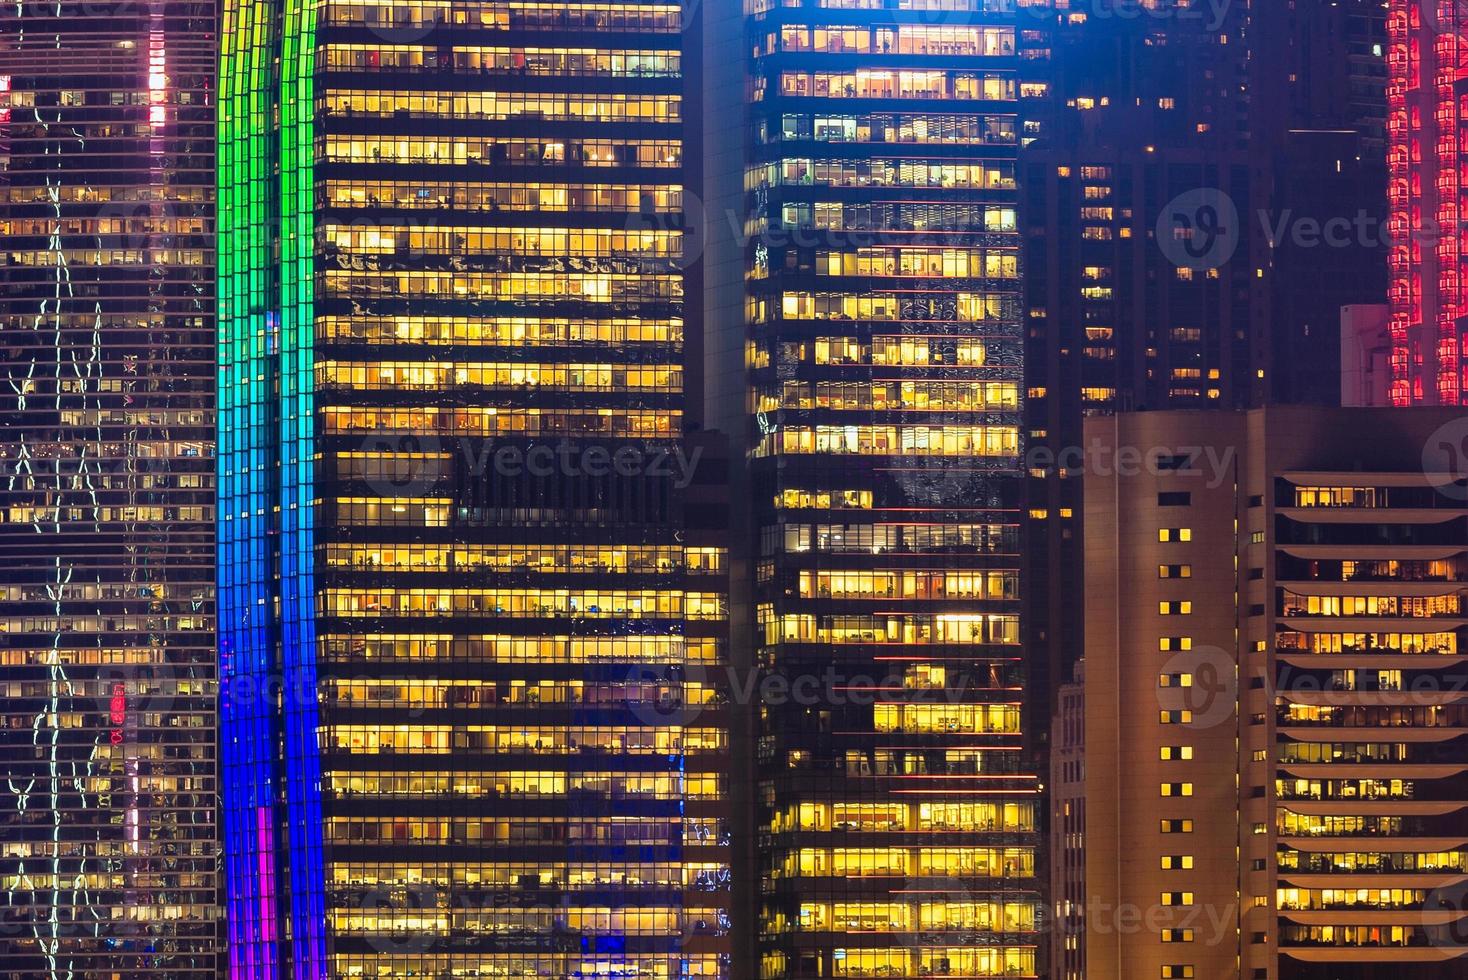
266,492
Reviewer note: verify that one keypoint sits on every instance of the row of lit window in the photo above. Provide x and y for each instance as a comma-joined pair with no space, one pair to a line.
493,331
522,784
893,440
468,106
530,828
908,585
1335,497
864,862
966,816
551,649
937,221
400,832
897,351
958,628
502,422
1368,643
949,263
93,193
934,960
478,240
1375,716
526,739
183,845
1292,824
1330,861
468,876
1345,789
680,964
500,15
63,257
1365,936
953,129
528,287
962,307
880,538
434,375
951,719
622,921
507,195
418,695
558,62
619,559
898,39
883,172
524,603
101,224
888,396
904,84
498,151
986,916
150,623
1348,605
1320,899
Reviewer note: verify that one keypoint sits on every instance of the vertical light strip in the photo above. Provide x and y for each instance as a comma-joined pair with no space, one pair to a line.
297,501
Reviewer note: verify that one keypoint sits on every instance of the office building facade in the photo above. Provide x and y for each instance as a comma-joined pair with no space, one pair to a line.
870,318
1274,696
108,842
473,605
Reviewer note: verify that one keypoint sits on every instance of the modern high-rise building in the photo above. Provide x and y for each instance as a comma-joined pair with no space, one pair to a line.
1427,56
1204,194
1066,858
865,317
473,609
1143,251
1274,695
108,842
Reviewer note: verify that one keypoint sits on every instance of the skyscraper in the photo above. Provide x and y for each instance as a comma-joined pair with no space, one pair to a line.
107,812
1274,696
1144,137
473,617
1427,56
864,274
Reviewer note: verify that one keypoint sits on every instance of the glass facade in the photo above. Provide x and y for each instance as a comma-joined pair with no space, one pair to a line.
473,606
896,820
108,848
